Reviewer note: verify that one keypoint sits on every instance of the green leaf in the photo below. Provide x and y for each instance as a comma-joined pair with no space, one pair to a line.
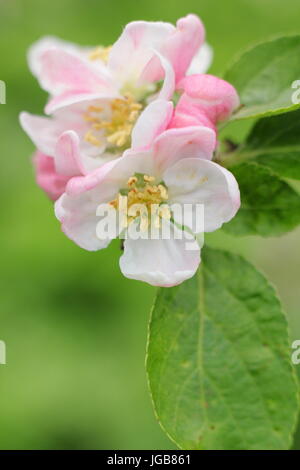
269,206
263,77
218,360
274,142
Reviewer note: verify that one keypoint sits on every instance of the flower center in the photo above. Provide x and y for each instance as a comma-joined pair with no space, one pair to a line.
142,198
117,129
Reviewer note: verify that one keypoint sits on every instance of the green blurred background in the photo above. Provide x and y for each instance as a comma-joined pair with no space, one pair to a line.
75,329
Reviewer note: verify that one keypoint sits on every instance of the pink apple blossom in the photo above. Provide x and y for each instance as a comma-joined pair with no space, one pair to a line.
99,93
175,168
206,100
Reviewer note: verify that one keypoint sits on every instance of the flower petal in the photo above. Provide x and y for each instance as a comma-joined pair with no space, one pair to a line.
207,94
47,177
185,118
43,131
112,176
159,262
73,156
134,49
79,220
168,86
199,181
49,42
68,160
62,72
175,144
202,60
152,122
181,46
73,98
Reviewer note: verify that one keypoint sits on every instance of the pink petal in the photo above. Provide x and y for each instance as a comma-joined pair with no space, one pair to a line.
48,42
67,155
175,144
190,117
208,95
152,122
46,176
182,46
113,175
134,49
62,72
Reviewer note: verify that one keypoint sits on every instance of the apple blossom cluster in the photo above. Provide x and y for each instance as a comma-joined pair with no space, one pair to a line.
130,125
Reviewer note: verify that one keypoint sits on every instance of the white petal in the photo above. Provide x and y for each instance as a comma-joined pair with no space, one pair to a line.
48,42
202,60
43,131
168,86
79,220
107,180
160,262
153,120
198,181
73,156
134,48
69,99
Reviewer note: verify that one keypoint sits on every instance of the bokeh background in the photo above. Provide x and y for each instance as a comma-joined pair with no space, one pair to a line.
75,329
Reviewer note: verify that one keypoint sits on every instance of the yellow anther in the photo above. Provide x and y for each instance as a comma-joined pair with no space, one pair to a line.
149,179
133,116
89,137
132,193
132,180
114,203
100,53
152,190
144,199
118,138
95,109
136,106
163,191
117,130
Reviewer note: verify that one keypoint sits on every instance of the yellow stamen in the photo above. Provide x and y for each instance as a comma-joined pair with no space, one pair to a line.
100,53
117,130
89,137
163,191
143,199
132,180
148,178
